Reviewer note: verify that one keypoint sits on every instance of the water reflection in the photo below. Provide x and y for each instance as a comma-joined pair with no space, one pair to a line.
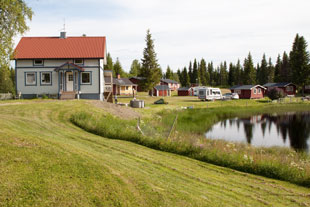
290,130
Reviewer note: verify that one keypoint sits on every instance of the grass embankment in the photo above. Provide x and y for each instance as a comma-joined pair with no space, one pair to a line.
45,160
278,163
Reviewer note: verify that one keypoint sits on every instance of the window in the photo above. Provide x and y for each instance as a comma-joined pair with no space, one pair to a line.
78,61
255,90
46,78
86,78
127,87
31,79
238,91
259,91
70,77
38,62
289,88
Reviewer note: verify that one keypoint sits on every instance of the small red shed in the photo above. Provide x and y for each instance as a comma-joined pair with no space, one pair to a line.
249,91
287,88
160,90
186,91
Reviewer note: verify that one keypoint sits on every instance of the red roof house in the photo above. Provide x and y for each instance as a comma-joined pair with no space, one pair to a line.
64,67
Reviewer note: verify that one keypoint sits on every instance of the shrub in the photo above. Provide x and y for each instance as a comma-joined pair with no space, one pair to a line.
275,93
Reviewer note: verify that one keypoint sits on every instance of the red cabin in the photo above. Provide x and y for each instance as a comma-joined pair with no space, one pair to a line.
249,91
287,88
186,91
160,90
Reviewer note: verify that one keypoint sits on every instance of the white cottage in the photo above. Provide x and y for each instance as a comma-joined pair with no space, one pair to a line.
64,67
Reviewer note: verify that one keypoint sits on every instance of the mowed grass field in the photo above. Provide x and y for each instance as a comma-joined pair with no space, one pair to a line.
47,161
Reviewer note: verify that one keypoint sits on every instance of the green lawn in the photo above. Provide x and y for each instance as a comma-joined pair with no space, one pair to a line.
47,161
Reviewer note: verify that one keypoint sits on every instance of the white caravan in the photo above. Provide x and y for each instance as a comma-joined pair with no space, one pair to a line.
209,94
196,89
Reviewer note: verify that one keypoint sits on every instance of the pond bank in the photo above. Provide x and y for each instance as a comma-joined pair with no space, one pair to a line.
278,163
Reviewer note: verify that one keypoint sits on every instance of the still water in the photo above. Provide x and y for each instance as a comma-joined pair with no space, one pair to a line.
285,130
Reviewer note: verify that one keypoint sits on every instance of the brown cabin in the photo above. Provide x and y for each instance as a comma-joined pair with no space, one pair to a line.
160,90
287,88
186,91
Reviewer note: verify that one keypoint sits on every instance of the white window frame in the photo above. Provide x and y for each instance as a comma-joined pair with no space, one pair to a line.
238,91
26,79
255,91
42,73
90,78
259,91
78,63
38,64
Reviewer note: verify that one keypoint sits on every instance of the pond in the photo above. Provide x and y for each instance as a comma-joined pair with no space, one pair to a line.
285,130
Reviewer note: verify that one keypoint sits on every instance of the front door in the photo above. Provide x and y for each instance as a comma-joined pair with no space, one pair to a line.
69,81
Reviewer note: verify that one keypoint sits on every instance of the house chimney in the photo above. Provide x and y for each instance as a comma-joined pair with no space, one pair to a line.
118,76
63,35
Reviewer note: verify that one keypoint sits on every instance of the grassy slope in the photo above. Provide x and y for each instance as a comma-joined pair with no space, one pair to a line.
47,161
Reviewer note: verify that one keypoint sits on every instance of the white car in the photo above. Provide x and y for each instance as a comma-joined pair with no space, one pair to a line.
228,96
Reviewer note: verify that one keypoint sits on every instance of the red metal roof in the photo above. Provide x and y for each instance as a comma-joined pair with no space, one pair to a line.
58,48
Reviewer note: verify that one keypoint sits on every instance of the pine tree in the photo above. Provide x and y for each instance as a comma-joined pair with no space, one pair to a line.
190,72
285,70
299,61
185,78
270,71
135,68
150,68
249,71
223,74
277,70
195,77
118,69
263,71
211,75
180,76
169,73
203,72
109,65
238,73
231,75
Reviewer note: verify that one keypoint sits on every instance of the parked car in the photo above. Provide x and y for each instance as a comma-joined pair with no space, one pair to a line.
228,96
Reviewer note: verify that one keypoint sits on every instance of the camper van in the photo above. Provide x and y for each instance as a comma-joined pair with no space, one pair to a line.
209,94
196,89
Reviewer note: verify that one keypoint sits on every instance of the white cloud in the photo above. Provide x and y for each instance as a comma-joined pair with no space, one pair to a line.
183,30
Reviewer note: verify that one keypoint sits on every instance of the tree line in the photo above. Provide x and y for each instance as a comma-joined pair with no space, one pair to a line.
293,67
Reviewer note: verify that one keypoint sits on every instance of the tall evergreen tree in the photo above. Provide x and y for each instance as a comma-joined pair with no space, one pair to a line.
190,72
203,72
150,68
118,69
299,61
185,78
169,73
238,73
277,69
263,71
211,73
179,73
231,75
285,70
195,77
249,71
135,68
270,71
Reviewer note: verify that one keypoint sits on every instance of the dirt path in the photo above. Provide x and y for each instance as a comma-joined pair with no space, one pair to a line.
120,111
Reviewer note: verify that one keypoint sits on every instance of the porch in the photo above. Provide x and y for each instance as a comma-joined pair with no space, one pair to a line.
69,80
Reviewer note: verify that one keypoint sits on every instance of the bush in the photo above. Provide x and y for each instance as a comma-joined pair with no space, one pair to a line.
275,93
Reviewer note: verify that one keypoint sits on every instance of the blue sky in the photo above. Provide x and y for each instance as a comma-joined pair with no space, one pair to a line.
183,30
